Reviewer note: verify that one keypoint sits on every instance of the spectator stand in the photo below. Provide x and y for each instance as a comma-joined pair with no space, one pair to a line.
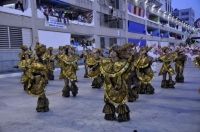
61,14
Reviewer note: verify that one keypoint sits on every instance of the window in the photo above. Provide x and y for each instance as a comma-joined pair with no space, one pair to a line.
113,41
184,13
10,37
102,42
110,21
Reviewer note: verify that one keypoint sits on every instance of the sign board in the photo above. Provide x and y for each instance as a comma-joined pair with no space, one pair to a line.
54,39
53,22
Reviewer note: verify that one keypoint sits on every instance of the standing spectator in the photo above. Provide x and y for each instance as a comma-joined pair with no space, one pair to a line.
66,18
19,5
60,13
50,11
70,15
46,13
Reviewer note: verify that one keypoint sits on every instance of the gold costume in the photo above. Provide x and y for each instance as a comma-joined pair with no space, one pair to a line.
197,61
35,77
85,56
49,58
68,64
93,63
166,68
144,73
24,56
128,53
116,90
179,66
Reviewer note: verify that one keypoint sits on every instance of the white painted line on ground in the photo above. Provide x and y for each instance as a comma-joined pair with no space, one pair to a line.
11,75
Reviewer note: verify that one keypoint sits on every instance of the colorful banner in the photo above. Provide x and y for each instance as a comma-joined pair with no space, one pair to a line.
53,22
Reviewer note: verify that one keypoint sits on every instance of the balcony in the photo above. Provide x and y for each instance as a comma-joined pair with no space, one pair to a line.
63,14
104,31
21,9
153,24
111,21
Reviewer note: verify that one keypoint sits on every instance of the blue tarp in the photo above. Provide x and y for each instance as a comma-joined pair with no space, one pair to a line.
156,33
135,27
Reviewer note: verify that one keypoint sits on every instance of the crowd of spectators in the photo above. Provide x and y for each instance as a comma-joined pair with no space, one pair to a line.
64,15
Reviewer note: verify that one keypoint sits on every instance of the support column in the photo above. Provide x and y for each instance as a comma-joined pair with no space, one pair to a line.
145,17
34,22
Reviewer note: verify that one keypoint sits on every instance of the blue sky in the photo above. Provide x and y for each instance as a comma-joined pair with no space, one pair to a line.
181,4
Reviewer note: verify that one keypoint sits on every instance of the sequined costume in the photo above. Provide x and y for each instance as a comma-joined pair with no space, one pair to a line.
48,57
24,56
167,58
68,63
144,71
85,56
93,63
116,90
179,66
36,77
197,61
127,52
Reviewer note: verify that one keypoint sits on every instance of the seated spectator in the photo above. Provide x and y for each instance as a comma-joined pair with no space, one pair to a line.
19,5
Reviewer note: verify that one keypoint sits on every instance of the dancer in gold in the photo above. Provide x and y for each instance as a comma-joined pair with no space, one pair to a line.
36,77
128,52
93,63
25,56
116,90
179,65
144,71
167,58
197,59
48,57
67,60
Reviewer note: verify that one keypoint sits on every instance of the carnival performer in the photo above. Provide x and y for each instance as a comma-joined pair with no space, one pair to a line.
36,77
196,59
129,52
167,58
93,63
67,61
49,58
144,72
61,50
85,54
116,90
25,56
179,65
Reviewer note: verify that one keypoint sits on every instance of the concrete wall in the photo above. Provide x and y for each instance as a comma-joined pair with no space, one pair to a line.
8,59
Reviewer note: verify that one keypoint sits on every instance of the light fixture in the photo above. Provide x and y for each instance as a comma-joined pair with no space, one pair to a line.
146,2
